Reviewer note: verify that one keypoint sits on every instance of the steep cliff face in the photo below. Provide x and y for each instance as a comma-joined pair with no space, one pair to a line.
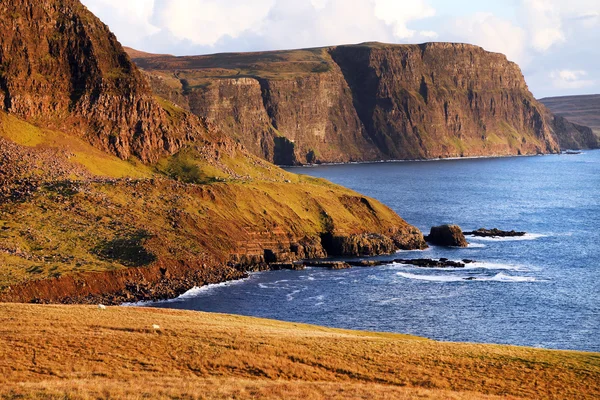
581,112
573,136
365,102
288,107
441,99
61,67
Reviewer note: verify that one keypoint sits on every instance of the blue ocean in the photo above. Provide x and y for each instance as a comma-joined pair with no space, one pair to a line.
539,290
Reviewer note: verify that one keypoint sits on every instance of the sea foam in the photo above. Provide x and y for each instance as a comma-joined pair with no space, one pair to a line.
527,236
500,277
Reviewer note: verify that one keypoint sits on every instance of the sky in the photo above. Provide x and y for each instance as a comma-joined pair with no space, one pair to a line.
555,42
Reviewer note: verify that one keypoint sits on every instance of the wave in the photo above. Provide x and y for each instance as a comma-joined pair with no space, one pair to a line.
491,265
500,277
417,250
273,285
470,266
290,296
477,245
527,236
190,294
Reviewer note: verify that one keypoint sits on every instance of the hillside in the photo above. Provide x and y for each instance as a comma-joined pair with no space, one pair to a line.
109,192
364,102
583,110
83,352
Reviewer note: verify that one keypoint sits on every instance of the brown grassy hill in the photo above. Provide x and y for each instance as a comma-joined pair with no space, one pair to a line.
83,352
583,110
364,102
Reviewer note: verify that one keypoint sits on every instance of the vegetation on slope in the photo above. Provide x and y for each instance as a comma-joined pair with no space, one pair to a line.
69,209
84,352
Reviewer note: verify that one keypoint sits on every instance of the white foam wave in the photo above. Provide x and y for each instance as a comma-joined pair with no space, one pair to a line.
500,277
469,266
190,294
290,296
411,251
490,265
273,285
431,278
477,245
527,236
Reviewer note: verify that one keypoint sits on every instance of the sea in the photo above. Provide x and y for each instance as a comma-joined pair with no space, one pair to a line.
541,290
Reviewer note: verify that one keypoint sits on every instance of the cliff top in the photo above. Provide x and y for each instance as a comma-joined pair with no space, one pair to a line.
280,63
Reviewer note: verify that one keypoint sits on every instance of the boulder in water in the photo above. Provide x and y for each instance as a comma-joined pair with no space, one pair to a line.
447,235
482,232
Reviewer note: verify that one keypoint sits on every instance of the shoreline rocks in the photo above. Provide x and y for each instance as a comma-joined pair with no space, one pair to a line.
495,232
447,235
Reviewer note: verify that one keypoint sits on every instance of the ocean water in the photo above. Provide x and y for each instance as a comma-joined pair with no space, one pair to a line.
540,290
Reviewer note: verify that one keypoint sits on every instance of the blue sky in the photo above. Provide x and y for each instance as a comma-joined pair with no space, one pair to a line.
554,41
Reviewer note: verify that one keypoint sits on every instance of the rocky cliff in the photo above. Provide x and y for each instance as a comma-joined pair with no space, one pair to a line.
579,110
110,192
61,67
364,102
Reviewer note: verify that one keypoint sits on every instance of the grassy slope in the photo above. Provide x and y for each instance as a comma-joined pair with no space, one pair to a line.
210,208
84,352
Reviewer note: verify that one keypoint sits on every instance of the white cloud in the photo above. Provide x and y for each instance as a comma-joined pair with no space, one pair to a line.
130,20
544,36
491,33
274,23
399,13
428,34
544,22
570,79
204,22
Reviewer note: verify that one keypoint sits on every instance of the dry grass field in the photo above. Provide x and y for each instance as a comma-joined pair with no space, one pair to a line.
82,352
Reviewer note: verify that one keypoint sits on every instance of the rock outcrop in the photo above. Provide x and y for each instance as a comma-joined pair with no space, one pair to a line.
447,235
572,136
62,68
365,102
495,232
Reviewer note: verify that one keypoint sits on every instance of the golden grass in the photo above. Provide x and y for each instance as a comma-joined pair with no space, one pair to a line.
79,152
84,352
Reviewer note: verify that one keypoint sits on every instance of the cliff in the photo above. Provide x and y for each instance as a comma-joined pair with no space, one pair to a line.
364,102
62,68
579,110
109,192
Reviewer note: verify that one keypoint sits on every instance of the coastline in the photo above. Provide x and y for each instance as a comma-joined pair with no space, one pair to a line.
490,157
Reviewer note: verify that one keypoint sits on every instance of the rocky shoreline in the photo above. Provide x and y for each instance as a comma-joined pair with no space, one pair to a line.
166,280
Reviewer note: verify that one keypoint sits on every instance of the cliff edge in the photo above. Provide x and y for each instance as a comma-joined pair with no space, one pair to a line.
364,102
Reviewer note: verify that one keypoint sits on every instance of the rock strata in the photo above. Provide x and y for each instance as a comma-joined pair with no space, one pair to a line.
366,102
447,235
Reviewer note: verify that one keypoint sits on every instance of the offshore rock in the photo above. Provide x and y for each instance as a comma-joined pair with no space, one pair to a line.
447,235
482,232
